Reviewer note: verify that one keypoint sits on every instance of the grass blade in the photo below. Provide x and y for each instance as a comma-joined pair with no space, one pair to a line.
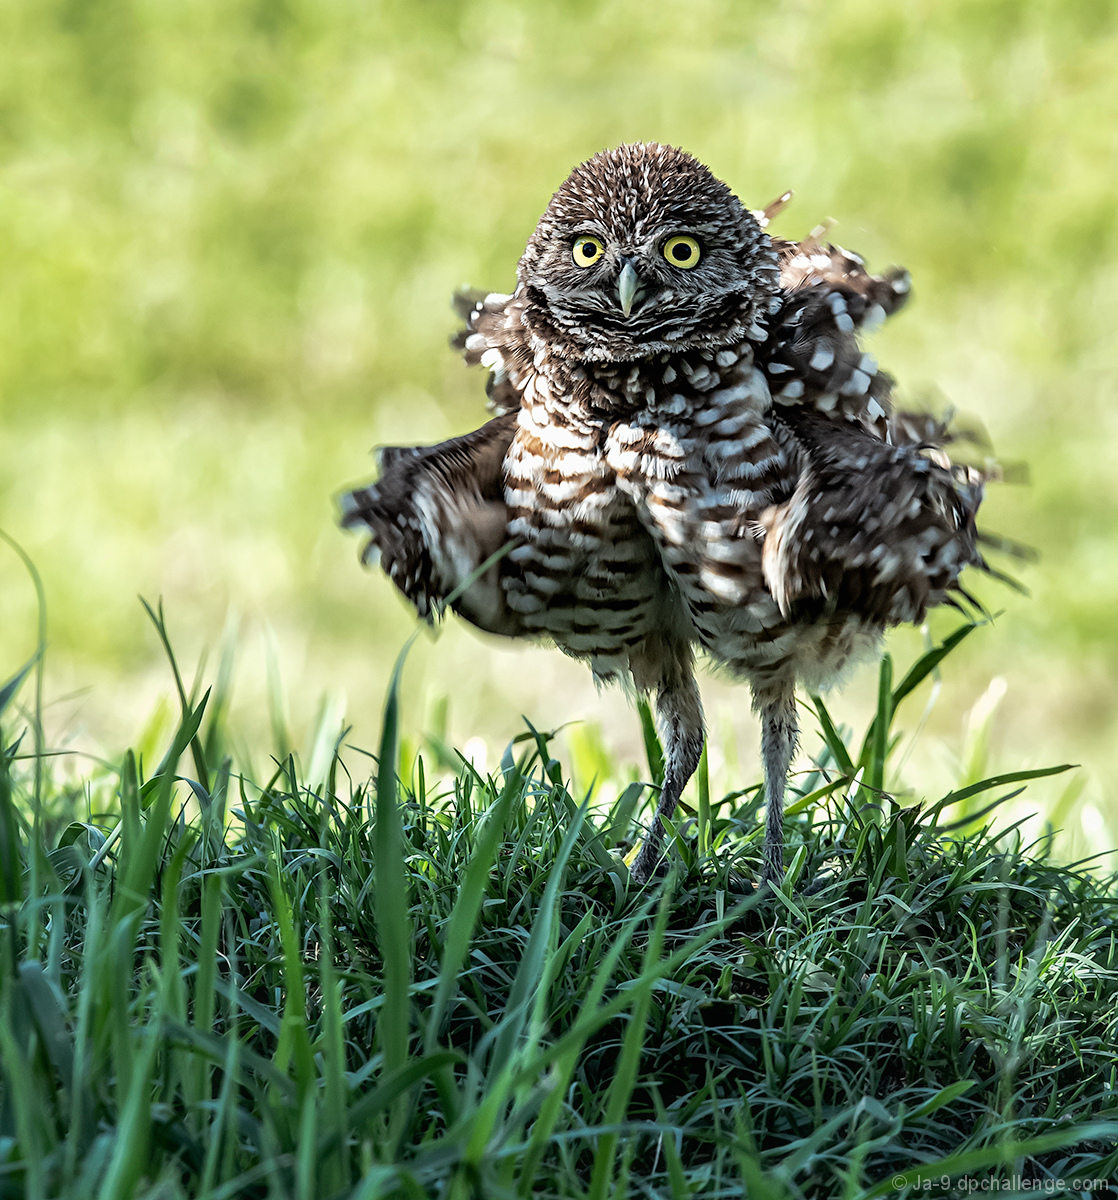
625,1077
653,748
390,900
471,893
877,740
294,1041
994,781
929,662
831,736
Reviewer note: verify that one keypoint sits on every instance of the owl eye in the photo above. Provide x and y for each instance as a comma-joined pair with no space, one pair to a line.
682,251
586,251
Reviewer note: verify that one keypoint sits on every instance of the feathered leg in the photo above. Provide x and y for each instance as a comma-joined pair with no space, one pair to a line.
680,713
779,733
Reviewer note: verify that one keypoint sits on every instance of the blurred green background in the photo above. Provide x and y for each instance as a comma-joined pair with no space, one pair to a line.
229,230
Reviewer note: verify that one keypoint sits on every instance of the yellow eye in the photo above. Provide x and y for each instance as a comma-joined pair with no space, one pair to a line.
587,250
682,251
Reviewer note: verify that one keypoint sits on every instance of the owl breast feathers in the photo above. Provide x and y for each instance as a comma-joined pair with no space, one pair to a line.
691,451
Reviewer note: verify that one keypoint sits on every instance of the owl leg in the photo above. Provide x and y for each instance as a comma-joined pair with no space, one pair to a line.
680,713
779,733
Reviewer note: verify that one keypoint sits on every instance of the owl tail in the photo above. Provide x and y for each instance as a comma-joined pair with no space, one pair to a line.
434,518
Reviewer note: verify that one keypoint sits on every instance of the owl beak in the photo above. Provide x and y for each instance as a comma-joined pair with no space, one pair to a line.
627,284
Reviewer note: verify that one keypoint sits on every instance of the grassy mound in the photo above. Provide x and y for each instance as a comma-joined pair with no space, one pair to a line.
450,987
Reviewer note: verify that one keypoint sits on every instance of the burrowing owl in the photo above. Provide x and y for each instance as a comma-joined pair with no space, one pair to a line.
691,451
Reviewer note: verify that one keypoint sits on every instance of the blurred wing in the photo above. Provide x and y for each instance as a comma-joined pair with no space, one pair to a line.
812,358
875,528
434,517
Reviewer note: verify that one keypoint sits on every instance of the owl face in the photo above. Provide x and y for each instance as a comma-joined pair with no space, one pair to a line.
643,252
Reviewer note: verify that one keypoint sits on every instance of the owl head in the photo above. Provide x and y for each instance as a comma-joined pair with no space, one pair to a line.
643,251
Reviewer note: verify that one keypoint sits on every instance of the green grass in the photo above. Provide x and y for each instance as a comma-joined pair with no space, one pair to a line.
401,980
229,230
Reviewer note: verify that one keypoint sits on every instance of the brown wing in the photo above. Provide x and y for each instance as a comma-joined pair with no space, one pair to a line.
490,340
882,530
812,358
434,516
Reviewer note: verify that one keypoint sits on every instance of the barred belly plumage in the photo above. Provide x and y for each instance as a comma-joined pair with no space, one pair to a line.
629,527
584,572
